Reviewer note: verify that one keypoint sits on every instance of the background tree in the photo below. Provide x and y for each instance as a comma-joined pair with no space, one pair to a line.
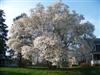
52,33
3,38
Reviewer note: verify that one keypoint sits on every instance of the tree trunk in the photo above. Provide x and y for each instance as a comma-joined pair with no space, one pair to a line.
20,60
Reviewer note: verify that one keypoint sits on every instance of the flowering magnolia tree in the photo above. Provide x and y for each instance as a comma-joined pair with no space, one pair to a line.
48,48
49,33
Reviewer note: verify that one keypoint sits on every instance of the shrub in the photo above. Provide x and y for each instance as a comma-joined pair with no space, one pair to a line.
75,65
96,64
85,65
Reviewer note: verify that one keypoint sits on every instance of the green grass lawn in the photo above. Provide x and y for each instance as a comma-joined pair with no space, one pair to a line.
35,71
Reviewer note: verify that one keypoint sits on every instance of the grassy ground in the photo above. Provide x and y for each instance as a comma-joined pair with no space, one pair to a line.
30,71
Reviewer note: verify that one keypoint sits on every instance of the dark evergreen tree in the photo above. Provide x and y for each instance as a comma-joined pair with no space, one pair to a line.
3,38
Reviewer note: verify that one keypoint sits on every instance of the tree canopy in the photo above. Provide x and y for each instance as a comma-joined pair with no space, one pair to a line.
50,34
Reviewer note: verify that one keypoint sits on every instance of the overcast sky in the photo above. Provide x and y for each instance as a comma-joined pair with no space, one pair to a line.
89,8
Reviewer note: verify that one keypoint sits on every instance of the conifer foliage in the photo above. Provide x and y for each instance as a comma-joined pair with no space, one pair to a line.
3,38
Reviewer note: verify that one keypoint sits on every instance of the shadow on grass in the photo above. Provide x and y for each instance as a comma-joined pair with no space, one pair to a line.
13,73
84,71
90,71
